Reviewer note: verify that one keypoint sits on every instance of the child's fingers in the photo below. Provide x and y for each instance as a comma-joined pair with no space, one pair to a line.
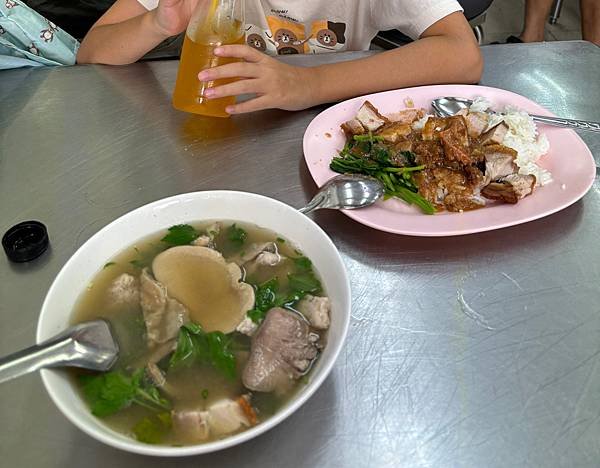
233,89
230,70
249,54
252,105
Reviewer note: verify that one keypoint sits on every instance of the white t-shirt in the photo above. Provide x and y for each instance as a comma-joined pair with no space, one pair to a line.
308,26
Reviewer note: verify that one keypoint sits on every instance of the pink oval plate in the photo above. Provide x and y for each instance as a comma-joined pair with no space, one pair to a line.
569,160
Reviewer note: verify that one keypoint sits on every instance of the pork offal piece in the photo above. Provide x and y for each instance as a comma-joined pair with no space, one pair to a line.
163,316
510,189
495,135
316,309
124,291
370,118
191,425
281,350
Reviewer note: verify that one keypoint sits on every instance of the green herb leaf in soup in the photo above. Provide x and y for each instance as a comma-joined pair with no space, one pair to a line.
236,235
181,234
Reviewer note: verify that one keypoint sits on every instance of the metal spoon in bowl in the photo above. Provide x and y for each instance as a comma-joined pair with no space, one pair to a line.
346,192
448,106
89,345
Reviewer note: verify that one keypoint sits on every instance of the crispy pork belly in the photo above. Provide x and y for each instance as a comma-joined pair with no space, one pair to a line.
510,189
353,127
433,127
393,132
495,135
455,141
449,189
370,118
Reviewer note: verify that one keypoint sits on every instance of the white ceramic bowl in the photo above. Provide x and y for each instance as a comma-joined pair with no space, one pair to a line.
191,207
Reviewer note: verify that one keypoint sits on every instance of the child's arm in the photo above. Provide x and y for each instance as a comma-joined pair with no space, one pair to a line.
127,30
446,53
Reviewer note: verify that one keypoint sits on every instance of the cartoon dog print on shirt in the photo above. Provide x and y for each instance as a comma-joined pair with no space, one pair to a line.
288,37
327,36
260,39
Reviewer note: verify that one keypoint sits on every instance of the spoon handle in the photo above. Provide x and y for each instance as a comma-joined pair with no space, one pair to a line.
49,354
314,204
568,123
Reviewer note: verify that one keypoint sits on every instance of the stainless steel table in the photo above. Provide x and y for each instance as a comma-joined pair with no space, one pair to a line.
420,382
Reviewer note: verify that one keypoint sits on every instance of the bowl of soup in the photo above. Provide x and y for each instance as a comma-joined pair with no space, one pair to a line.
229,310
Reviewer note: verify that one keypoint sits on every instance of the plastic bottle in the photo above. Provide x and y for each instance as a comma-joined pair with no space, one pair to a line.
213,23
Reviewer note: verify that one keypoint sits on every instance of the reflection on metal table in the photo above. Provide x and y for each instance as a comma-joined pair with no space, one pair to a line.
472,351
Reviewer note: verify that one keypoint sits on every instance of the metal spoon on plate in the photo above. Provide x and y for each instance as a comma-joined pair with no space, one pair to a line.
88,345
448,106
346,192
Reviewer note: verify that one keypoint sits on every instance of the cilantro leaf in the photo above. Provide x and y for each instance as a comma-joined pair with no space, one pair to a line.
110,392
195,345
181,234
265,298
151,430
236,235
303,263
304,282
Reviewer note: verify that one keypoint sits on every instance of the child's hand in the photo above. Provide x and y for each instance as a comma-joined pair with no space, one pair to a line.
275,84
171,17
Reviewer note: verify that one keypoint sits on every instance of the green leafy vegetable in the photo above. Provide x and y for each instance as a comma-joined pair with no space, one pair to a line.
300,283
265,299
280,240
181,234
366,155
109,264
151,430
112,391
195,345
204,393
236,235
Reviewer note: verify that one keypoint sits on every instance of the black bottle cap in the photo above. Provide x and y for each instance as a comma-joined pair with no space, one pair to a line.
25,241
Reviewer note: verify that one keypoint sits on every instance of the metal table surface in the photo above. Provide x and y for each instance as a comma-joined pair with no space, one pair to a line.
419,382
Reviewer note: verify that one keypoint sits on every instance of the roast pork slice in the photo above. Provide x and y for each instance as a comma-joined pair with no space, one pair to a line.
281,350
499,162
495,135
163,316
477,122
510,189
370,118
407,116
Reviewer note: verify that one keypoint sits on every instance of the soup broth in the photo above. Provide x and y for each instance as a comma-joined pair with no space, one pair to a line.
159,389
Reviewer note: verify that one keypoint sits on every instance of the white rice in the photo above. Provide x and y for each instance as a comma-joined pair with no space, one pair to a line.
522,136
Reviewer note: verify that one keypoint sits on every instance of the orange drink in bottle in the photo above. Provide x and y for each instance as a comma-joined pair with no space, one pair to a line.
213,23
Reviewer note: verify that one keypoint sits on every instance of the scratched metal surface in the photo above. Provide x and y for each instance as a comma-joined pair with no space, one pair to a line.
463,352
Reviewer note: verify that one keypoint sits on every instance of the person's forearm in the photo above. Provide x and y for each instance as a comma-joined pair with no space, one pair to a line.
431,60
120,43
